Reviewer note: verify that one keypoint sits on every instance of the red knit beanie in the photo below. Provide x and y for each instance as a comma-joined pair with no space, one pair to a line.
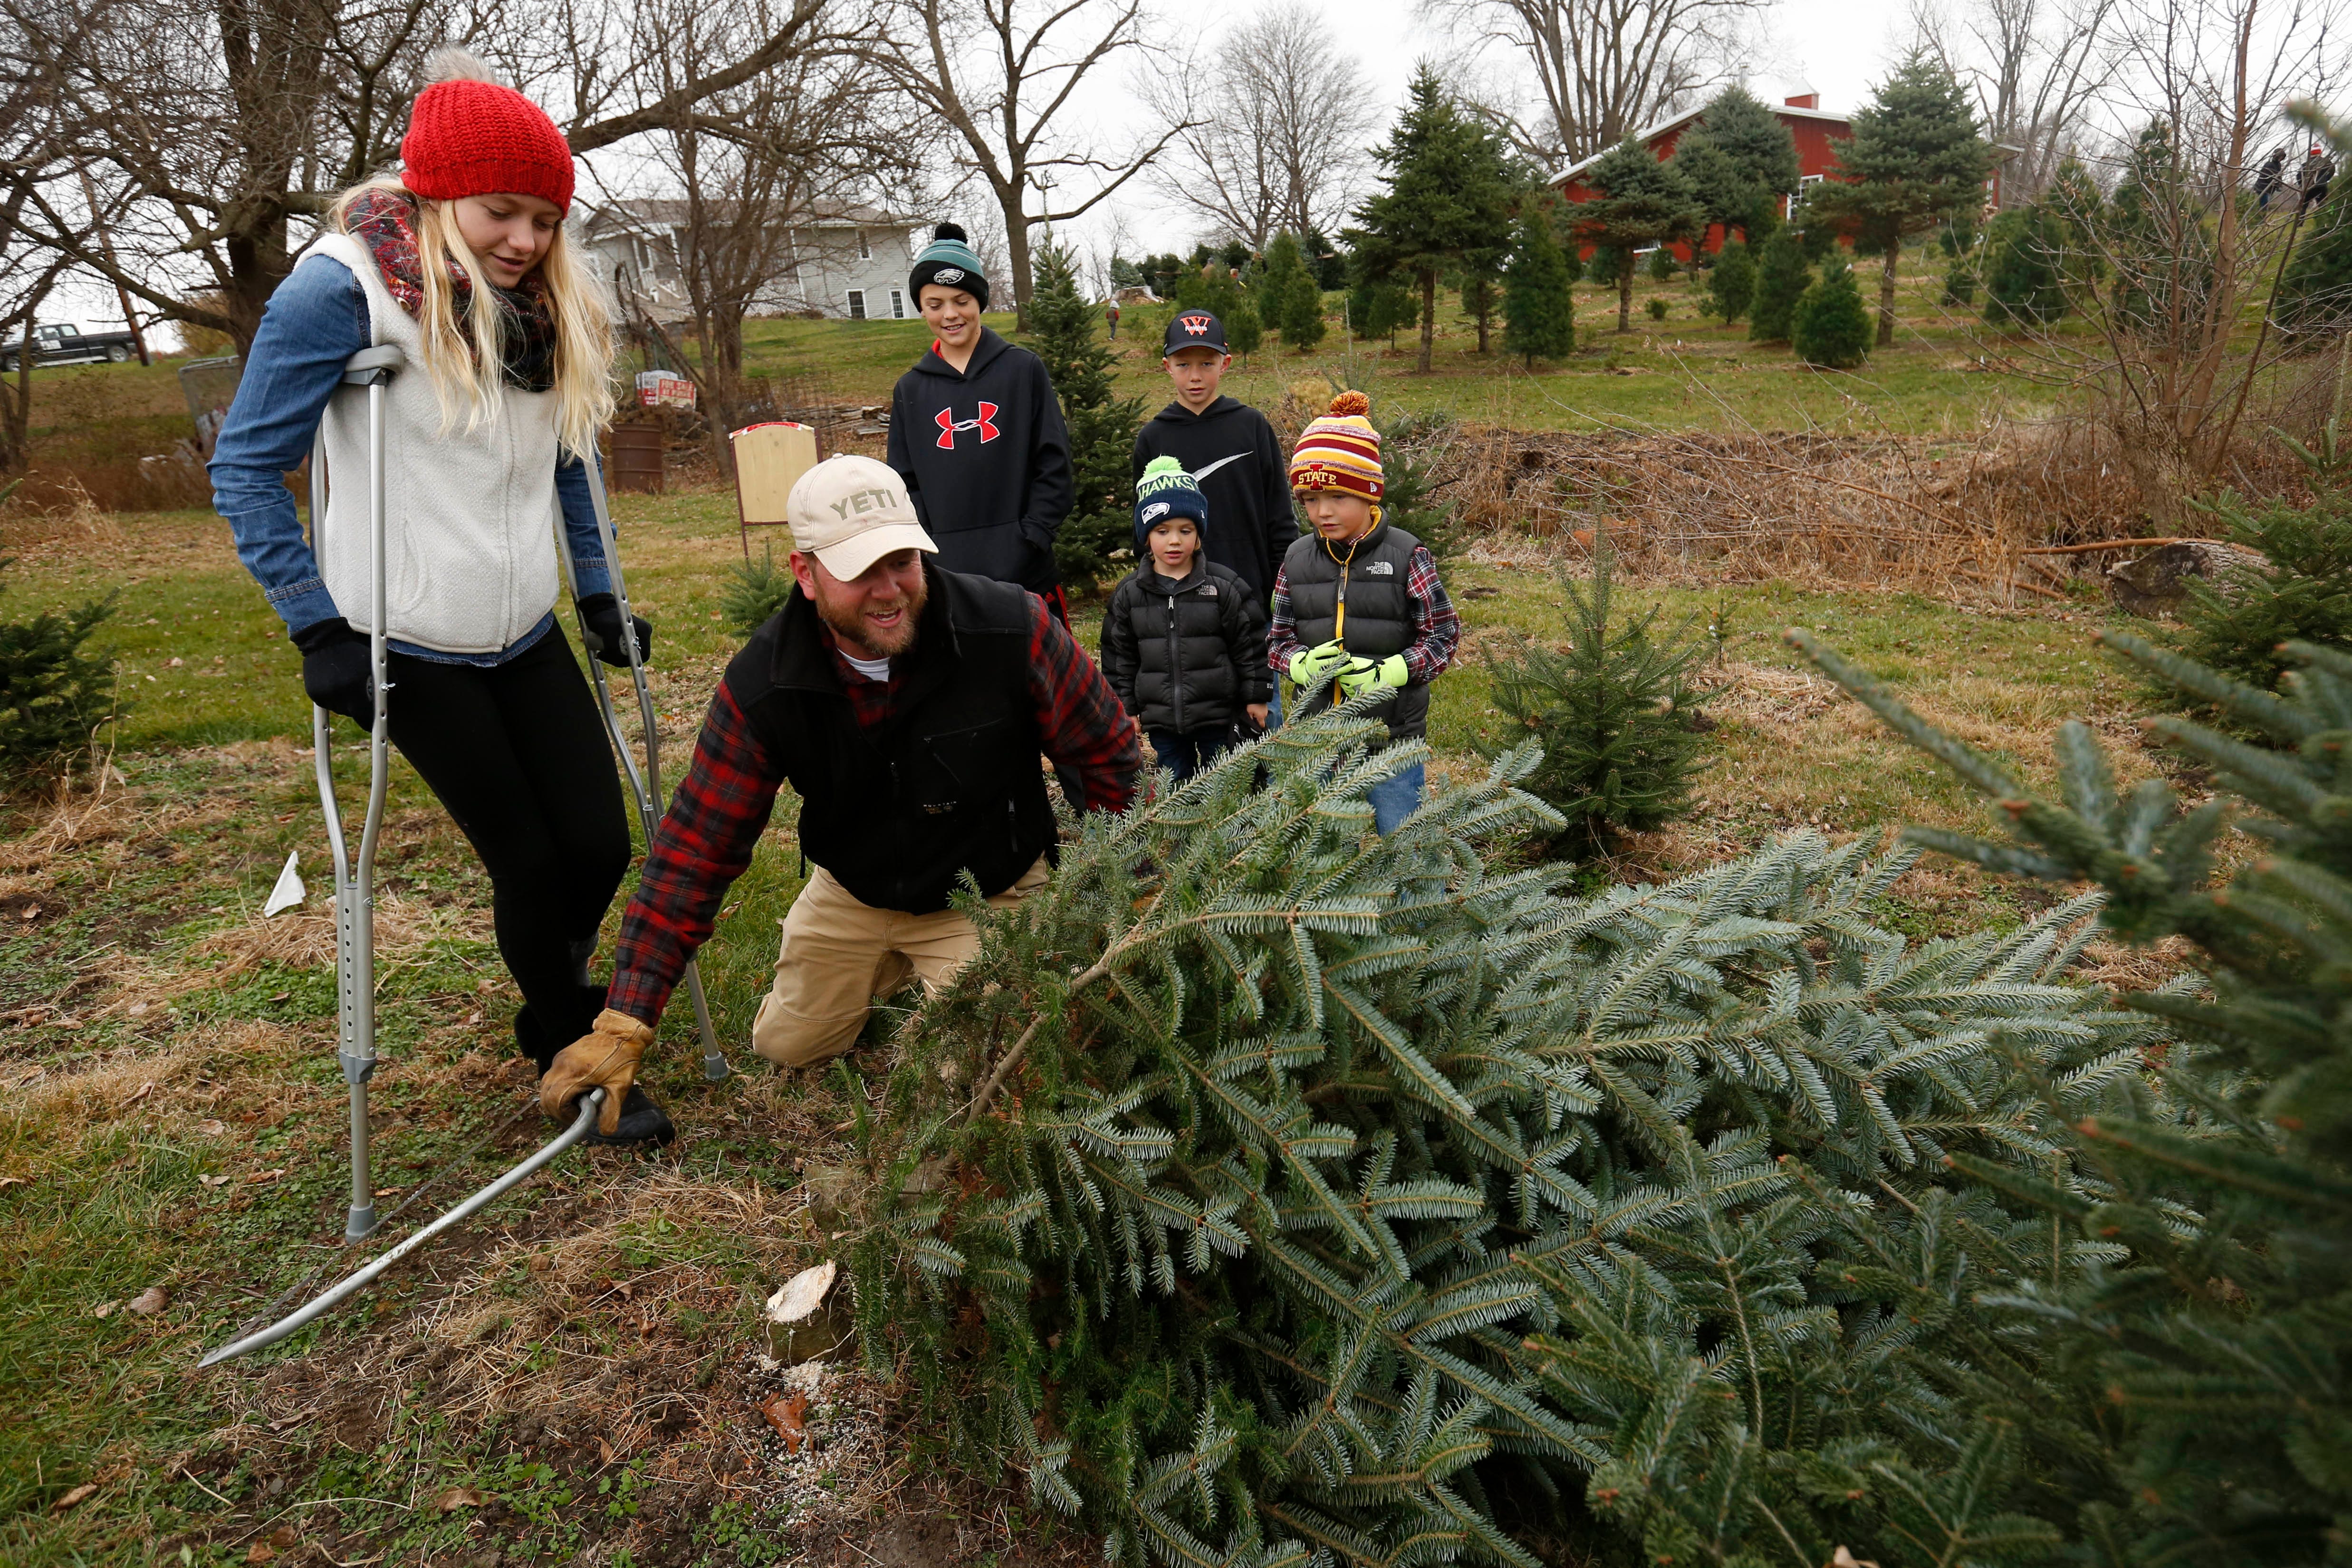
469,136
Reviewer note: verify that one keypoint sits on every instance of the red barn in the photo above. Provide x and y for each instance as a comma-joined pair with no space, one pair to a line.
1817,132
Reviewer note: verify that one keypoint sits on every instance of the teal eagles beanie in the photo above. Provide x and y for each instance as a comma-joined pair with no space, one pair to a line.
948,259
1166,491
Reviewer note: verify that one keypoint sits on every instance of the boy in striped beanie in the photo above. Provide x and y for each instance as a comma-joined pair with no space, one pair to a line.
1358,604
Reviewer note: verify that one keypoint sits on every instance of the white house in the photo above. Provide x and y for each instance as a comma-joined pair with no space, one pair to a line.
850,263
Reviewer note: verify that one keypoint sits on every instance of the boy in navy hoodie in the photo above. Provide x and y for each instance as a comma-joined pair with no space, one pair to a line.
976,431
1228,448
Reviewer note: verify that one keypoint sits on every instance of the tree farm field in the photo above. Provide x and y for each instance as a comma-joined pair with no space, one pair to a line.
582,1367
1943,376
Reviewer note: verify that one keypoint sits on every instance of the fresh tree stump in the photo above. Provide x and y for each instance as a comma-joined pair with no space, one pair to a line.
804,1318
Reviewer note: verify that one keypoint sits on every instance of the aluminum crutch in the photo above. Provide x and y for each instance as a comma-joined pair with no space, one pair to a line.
645,784
319,1306
355,875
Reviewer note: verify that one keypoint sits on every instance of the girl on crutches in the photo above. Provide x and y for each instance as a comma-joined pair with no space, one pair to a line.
460,262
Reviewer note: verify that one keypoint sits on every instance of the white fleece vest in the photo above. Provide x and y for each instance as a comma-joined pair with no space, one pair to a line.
469,516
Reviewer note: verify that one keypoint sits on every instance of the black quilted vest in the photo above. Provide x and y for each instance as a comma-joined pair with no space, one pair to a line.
1371,580
949,784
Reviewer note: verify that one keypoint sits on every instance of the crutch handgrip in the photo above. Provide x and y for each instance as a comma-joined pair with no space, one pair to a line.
371,367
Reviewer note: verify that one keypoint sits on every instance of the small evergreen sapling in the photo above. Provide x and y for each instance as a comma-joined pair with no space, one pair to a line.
1616,714
54,692
1782,276
2303,592
1064,333
1292,300
1600,266
1662,266
754,591
1830,328
1732,284
2024,286
1539,302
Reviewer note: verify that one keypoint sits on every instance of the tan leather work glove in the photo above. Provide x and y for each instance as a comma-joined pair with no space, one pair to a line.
606,1058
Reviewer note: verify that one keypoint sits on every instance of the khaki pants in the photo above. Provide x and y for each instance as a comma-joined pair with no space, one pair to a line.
839,954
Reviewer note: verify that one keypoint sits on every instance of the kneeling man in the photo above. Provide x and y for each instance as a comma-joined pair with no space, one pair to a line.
908,706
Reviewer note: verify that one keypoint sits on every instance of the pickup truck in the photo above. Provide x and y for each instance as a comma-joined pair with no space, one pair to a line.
68,345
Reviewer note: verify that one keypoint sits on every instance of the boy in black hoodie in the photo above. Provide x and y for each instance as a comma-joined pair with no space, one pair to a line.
977,433
1228,448
1183,639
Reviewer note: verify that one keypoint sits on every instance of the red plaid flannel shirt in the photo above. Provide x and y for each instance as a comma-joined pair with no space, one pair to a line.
715,819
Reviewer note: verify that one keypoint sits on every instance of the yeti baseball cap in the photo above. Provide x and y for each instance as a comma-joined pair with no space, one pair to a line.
850,511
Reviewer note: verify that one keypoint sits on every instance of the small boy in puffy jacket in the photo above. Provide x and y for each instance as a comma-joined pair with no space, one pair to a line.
1183,642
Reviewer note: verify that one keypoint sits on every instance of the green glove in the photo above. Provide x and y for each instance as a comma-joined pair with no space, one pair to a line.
1308,665
1363,675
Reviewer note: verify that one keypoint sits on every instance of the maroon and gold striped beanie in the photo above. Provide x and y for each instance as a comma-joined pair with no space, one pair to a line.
1340,451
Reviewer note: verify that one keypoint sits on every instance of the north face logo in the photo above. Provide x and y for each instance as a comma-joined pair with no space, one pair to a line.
1195,326
949,424
1381,569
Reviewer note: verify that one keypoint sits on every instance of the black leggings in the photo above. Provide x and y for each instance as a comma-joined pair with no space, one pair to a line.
517,755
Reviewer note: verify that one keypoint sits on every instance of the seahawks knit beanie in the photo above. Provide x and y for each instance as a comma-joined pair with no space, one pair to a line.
469,136
1166,491
948,259
1340,451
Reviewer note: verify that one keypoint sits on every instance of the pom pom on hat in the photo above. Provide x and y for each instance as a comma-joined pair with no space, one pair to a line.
1166,491
469,136
951,262
1340,451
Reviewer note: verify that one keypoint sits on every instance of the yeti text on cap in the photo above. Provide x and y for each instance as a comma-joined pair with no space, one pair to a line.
864,501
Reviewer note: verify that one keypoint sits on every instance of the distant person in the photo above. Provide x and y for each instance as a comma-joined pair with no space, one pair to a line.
460,259
1183,639
1359,599
1228,448
2269,178
978,434
1111,313
2311,179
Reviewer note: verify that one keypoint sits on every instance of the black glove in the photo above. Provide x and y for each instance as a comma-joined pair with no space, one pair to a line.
335,670
601,612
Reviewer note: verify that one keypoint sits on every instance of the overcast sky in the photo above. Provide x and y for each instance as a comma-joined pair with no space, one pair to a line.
1838,48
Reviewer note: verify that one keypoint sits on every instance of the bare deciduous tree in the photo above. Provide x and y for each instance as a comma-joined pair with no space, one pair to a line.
1000,74
1277,139
752,165
1605,68
2038,68
219,129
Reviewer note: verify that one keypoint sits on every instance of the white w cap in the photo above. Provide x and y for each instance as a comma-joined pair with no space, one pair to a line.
850,511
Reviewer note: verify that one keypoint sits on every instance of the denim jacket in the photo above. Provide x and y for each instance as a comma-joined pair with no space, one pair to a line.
315,321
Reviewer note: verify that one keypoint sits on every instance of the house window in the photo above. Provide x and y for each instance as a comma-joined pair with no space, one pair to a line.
865,251
897,305
1805,182
857,304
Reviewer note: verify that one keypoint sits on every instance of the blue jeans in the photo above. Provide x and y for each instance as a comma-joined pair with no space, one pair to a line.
1186,753
1395,799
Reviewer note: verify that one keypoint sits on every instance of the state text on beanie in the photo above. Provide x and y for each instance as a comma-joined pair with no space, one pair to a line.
470,136
1166,491
951,261
1340,451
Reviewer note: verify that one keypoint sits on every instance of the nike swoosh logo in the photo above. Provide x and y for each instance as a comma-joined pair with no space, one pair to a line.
1200,474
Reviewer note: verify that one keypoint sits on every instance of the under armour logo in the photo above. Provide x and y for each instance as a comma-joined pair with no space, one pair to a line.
1195,326
949,424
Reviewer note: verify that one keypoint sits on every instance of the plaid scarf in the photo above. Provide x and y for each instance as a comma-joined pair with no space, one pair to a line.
387,224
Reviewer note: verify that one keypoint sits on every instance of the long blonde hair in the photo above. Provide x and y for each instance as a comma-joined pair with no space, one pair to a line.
467,360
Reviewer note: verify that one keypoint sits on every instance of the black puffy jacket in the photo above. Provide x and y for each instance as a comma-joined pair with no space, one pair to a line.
1187,656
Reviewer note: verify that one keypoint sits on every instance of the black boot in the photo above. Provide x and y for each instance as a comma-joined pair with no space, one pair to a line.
642,1121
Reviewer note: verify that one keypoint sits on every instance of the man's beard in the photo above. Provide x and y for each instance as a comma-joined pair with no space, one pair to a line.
858,632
